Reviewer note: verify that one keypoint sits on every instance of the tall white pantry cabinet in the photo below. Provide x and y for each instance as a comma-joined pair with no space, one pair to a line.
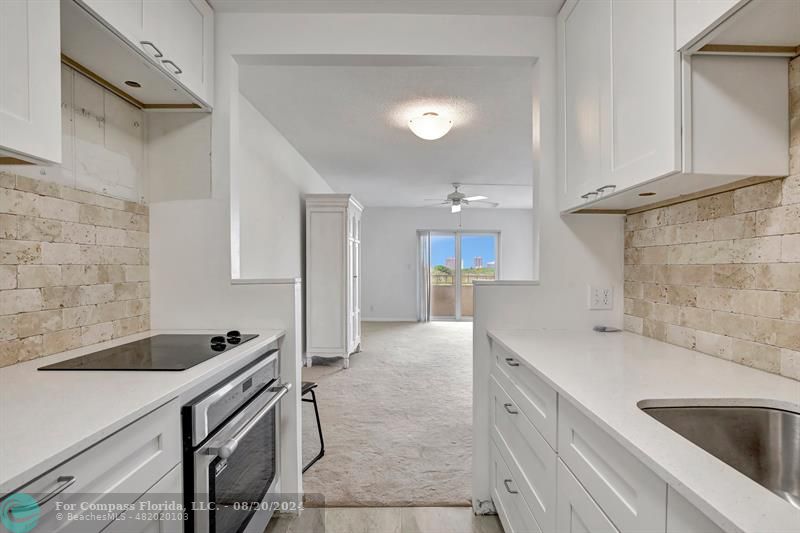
333,276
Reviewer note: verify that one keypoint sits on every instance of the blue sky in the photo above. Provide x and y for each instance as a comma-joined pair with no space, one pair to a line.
443,246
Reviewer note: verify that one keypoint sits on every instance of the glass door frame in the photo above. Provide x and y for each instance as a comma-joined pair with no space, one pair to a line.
457,281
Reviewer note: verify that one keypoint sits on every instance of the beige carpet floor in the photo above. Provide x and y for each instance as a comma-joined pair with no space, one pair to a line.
397,423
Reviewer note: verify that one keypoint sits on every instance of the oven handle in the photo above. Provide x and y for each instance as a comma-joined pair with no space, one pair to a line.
229,446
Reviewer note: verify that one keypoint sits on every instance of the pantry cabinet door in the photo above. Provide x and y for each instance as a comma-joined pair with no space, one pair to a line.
645,92
585,87
30,80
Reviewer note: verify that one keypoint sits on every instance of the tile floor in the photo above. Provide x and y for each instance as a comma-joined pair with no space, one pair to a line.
386,520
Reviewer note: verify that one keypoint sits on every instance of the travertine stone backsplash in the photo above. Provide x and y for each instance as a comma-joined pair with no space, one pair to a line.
721,274
73,268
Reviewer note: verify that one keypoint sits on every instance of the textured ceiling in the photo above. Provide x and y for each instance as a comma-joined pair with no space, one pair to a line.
541,8
350,123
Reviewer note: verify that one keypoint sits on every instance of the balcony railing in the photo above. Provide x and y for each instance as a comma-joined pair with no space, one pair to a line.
443,293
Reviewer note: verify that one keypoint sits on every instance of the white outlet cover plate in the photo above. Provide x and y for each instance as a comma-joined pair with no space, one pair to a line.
601,298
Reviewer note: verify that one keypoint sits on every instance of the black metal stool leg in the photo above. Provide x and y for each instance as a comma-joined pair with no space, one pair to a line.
319,429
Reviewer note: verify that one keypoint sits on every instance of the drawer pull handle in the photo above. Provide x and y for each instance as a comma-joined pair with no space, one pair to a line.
154,47
605,188
510,361
507,483
509,409
65,482
590,195
177,70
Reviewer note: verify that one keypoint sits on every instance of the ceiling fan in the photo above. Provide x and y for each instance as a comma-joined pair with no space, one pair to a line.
456,200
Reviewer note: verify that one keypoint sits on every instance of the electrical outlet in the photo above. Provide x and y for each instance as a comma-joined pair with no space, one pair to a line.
601,298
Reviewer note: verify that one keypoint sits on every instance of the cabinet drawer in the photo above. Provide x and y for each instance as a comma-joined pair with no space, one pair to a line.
116,470
511,507
632,496
148,517
534,397
530,459
577,512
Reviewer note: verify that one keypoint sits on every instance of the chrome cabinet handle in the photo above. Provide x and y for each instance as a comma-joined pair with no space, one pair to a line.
511,362
507,483
171,62
153,46
229,446
510,411
65,482
605,188
590,194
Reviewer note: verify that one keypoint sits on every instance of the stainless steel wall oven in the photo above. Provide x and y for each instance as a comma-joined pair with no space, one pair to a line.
231,451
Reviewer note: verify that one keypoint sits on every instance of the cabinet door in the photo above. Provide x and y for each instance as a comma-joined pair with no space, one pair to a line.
645,92
585,92
577,511
125,16
152,513
30,83
180,30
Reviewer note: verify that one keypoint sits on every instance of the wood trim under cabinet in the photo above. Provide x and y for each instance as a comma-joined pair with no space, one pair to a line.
748,49
119,92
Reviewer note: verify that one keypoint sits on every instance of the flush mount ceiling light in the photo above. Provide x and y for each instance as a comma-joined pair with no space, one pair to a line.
430,126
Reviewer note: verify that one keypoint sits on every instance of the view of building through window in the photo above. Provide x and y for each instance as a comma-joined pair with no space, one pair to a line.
475,254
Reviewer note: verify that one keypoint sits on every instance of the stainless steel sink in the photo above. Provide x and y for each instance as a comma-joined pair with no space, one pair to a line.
762,443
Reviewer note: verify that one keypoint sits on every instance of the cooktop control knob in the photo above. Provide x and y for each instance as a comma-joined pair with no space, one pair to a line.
234,333
219,339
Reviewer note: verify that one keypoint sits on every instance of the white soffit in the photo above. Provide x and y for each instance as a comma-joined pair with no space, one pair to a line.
539,8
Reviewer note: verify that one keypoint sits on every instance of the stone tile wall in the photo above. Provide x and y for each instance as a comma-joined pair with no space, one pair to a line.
73,268
721,274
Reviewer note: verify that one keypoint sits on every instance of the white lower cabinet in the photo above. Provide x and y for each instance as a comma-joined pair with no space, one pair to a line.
584,481
632,496
577,511
155,511
515,515
531,461
117,470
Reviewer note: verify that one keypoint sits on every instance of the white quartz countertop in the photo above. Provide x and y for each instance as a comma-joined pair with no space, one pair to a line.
48,417
606,374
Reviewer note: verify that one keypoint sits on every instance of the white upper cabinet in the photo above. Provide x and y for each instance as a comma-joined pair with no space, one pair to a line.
178,30
125,17
585,73
30,81
644,99
642,123
122,40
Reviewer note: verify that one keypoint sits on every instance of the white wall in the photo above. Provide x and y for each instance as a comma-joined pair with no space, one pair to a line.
190,240
389,252
272,178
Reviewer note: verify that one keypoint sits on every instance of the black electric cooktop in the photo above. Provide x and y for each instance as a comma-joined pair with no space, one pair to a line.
159,352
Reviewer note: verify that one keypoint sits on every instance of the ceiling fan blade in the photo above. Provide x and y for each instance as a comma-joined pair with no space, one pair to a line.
487,203
476,198
432,200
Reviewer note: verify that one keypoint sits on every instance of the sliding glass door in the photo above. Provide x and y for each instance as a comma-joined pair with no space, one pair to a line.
457,259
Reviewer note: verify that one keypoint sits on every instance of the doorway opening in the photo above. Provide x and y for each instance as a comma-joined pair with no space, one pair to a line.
452,263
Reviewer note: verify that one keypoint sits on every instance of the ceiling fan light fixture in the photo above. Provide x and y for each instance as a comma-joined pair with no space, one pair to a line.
430,126
455,208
